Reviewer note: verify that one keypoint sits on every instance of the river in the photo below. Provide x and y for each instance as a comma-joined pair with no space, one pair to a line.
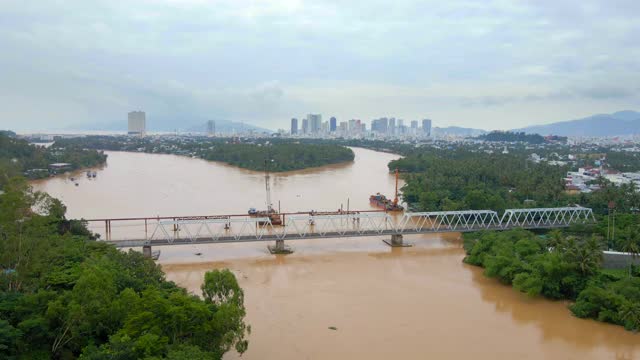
403,303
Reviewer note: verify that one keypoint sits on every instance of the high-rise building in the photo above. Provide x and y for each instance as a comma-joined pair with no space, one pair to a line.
344,127
392,126
324,127
294,126
426,127
380,126
414,125
137,123
332,124
211,128
315,123
305,126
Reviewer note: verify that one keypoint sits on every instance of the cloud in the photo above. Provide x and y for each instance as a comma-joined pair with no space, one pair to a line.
265,62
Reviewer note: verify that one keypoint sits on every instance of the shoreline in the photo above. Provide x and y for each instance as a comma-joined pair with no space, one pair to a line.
250,171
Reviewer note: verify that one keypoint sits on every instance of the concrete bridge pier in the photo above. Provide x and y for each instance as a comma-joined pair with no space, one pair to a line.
280,248
396,241
146,251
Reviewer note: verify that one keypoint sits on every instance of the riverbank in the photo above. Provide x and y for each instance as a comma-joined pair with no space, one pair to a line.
21,158
559,267
277,155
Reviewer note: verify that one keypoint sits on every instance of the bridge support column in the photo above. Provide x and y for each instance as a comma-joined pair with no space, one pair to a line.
396,241
279,248
146,251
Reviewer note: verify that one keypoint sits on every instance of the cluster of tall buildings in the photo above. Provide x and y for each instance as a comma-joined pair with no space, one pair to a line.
312,125
137,124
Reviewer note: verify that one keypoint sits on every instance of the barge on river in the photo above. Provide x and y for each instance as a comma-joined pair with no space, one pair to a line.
382,202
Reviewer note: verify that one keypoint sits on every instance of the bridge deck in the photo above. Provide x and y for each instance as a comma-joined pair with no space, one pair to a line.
334,234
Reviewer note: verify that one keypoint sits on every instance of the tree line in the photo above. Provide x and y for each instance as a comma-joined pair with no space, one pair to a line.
282,155
507,136
18,157
64,295
455,179
563,266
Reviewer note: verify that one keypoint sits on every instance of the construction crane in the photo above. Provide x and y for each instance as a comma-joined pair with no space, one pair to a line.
381,201
395,200
267,186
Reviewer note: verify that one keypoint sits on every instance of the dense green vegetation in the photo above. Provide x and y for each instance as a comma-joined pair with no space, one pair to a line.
624,161
284,155
64,295
460,179
507,136
560,266
19,158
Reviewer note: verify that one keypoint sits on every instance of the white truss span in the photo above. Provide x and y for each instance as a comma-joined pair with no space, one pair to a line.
238,229
544,217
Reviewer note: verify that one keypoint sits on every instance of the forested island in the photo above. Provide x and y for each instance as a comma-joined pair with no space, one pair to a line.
282,155
20,158
64,295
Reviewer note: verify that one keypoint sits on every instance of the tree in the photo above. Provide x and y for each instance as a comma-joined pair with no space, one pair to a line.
631,244
221,287
63,295
630,315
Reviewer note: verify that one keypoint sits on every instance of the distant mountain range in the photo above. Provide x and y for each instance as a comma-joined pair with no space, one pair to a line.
221,126
456,131
620,123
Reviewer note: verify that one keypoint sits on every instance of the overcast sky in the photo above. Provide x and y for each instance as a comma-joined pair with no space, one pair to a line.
487,64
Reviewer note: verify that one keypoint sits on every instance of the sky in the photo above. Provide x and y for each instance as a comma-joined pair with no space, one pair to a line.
489,64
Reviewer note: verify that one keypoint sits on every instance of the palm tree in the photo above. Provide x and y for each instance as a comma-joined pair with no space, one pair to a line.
631,244
589,255
555,238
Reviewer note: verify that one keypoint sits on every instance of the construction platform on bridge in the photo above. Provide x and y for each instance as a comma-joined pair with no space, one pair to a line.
135,232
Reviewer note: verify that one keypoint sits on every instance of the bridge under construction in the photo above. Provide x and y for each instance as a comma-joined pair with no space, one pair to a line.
161,231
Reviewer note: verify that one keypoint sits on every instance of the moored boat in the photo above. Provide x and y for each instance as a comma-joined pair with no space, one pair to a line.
381,201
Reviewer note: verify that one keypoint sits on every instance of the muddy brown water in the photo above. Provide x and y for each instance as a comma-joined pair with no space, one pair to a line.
401,303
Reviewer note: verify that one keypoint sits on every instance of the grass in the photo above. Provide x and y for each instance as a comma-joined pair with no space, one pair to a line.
617,273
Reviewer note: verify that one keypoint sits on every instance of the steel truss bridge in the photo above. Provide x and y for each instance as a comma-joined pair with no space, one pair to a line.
313,225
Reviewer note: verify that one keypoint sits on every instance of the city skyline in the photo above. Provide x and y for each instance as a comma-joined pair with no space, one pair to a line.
503,64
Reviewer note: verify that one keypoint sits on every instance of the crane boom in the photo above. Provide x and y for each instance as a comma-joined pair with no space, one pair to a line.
267,185
395,200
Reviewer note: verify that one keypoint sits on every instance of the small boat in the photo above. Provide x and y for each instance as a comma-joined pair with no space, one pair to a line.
155,255
77,184
88,174
93,174
72,179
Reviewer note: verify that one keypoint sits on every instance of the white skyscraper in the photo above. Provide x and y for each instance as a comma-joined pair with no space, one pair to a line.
315,123
137,123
